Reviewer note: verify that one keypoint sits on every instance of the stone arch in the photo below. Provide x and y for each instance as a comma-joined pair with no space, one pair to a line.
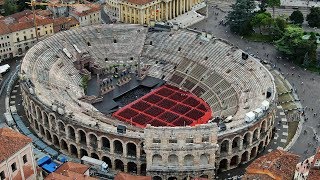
93,140
132,167
234,160
119,165
225,145
266,140
95,156
107,160
246,140
263,126
244,157
26,48
188,160
48,136
45,119
71,133
38,113
173,160
118,148
131,149
55,140
41,130
83,152
156,178
82,137
172,178
223,165
253,152
255,135
36,125
142,152
64,145
236,143
260,147
143,169
157,159
61,126
52,119
33,109
73,150
204,159
105,143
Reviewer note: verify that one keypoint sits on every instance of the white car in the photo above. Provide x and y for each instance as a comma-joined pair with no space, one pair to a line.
4,68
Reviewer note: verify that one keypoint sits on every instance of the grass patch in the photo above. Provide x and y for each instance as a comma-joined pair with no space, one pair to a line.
289,105
285,97
292,128
259,38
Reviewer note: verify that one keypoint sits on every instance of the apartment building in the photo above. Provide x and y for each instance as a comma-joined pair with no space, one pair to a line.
16,156
87,14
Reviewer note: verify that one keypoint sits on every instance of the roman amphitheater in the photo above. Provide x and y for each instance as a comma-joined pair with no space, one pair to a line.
171,104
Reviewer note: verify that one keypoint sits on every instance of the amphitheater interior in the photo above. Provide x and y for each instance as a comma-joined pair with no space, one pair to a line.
239,92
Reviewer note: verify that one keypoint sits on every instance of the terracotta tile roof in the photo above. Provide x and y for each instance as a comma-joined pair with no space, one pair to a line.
4,29
10,142
68,175
85,9
27,171
68,21
140,2
44,13
314,172
74,167
125,176
277,164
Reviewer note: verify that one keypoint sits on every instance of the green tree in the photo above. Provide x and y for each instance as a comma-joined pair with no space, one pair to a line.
9,7
313,17
278,27
261,20
239,18
296,17
263,6
273,4
22,5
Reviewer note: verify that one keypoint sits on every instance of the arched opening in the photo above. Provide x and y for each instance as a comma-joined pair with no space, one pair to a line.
119,165
61,127
88,43
244,157
107,160
263,127
204,159
36,125
48,135
224,146
132,167
260,147
52,119
71,133
255,135
94,155
42,130
20,51
189,160
131,150
45,119
82,137
266,141
204,176
27,48
253,152
236,143
118,147
105,144
223,164
83,152
157,159
73,150
172,178
39,114
56,140
64,145
234,161
156,178
142,152
173,160
93,140
143,169
246,140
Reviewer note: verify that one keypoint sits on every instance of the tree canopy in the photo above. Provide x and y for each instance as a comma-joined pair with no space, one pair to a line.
273,4
9,7
313,17
240,16
261,20
296,17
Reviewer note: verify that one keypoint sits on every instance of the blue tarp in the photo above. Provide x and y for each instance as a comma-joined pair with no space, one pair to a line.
53,153
50,167
33,137
41,145
43,161
62,158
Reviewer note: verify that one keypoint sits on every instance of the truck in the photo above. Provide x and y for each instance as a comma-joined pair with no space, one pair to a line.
4,68
95,164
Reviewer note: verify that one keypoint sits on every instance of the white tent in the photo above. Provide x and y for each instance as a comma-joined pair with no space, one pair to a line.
250,116
258,112
265,105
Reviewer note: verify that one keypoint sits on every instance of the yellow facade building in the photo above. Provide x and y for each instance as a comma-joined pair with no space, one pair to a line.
146,11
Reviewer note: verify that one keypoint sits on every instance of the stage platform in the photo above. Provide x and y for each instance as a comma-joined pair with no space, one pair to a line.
166,106
122,95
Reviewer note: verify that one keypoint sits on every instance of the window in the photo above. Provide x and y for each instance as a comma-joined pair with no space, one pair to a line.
189,140
31,36
13,167
46,32
24,158
2,175
173,141
18,39
156,141
25,38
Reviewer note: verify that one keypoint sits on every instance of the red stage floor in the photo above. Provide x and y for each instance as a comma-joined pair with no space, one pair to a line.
166,106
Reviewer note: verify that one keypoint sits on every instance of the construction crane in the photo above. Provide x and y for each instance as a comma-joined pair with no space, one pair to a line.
35,3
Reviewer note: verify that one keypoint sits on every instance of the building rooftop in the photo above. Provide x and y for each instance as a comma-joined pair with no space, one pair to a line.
70,171
125,176
74,167
277,164
140,2
85,9
11,142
